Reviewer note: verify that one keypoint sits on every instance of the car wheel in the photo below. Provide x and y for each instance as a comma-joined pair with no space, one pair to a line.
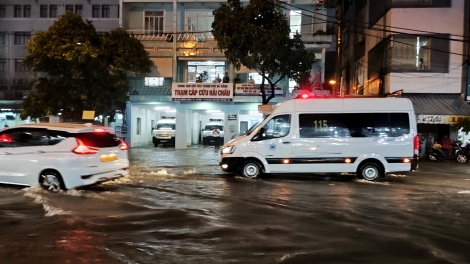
432,156
51,181
370,171
251,169
461,158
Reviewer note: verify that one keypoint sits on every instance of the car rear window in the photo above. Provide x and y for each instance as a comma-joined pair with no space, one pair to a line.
99,139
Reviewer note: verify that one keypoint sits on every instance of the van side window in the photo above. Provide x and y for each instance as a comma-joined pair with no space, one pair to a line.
278,126
354,125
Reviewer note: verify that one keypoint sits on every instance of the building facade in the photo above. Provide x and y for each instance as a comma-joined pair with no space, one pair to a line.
413,48
177,36
19,21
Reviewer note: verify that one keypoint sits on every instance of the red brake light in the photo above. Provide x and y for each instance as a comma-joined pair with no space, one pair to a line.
82,149
305,96
6,139
124,145
416,145
99,130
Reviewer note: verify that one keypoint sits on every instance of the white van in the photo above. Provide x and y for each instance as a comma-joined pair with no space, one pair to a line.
208,138
366,136
164,132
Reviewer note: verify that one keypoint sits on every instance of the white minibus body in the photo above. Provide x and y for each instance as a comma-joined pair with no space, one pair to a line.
366,136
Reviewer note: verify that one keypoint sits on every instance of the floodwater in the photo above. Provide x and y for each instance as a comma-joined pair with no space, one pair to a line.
178,207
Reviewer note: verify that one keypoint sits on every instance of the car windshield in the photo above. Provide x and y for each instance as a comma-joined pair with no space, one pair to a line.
253,127
165,127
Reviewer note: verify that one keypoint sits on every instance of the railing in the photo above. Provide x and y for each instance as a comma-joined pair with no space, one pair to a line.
159,35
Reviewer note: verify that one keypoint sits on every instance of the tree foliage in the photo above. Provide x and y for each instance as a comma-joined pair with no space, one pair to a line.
258,36
78,69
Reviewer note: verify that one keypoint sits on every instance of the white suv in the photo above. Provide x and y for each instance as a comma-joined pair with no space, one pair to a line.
61,155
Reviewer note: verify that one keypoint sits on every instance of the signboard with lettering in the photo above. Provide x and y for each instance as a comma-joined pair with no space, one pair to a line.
202,92
232,117
440,119
245,89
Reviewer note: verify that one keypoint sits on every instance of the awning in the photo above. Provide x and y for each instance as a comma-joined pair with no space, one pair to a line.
433,108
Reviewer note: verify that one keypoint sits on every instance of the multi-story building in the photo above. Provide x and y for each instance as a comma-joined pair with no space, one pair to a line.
177,35
19,21
415,48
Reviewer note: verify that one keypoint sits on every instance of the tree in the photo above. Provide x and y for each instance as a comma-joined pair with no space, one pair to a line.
77,69
258,36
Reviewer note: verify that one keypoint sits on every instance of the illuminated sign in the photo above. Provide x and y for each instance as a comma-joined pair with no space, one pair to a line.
202,92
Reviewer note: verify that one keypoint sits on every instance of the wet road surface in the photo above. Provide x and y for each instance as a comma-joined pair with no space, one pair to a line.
178,207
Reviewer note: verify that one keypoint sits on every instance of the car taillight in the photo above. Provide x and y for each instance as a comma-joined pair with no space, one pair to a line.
124,145
416,145
82,149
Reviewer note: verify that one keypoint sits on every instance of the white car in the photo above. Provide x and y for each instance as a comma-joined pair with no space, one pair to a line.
61,155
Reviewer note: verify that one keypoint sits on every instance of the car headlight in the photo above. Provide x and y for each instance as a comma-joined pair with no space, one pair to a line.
228,150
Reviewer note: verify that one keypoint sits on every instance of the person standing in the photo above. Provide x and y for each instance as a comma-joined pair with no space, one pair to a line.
422,146
216,134
251,81
446,143
237,79
226,79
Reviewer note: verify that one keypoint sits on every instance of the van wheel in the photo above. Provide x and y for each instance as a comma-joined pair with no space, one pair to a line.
370,171
461,158
251,169
51,181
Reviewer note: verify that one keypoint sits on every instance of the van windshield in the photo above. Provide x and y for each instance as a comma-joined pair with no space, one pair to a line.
253,127
165,127
212,127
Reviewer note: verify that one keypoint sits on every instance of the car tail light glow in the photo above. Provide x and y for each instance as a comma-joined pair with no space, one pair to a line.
82,149
124,145
6,139
416,145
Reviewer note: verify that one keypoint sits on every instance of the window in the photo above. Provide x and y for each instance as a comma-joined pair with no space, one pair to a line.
139,125
199,21
24,137
277,127
3,9
95,11
21,38
353,125
69,8
53,11
295,21
153,81
153,23
118,10
26,10
43,11
3,64
424,53
2,38
19,67
79,10
105,11
17,10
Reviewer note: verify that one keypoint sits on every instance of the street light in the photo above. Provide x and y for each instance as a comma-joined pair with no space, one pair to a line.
336,87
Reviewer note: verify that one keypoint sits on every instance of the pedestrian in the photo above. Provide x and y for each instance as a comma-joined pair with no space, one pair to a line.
217,79
237,79
226,79
216,134
251,81
446,143
422,146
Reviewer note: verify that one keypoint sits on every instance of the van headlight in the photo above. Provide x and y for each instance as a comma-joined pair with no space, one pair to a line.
228,150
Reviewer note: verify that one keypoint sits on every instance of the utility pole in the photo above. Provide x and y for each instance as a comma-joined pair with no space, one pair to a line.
339,63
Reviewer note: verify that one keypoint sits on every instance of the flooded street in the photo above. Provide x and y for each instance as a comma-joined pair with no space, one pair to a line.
177,206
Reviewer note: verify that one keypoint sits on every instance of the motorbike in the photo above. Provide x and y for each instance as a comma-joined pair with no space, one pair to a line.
437,154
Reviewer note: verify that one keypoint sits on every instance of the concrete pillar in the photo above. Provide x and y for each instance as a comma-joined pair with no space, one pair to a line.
180,129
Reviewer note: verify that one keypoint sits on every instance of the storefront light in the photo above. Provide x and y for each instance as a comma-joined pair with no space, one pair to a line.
170,111
162,107
212,111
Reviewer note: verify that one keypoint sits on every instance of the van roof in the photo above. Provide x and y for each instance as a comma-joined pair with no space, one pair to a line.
342,105
167,121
